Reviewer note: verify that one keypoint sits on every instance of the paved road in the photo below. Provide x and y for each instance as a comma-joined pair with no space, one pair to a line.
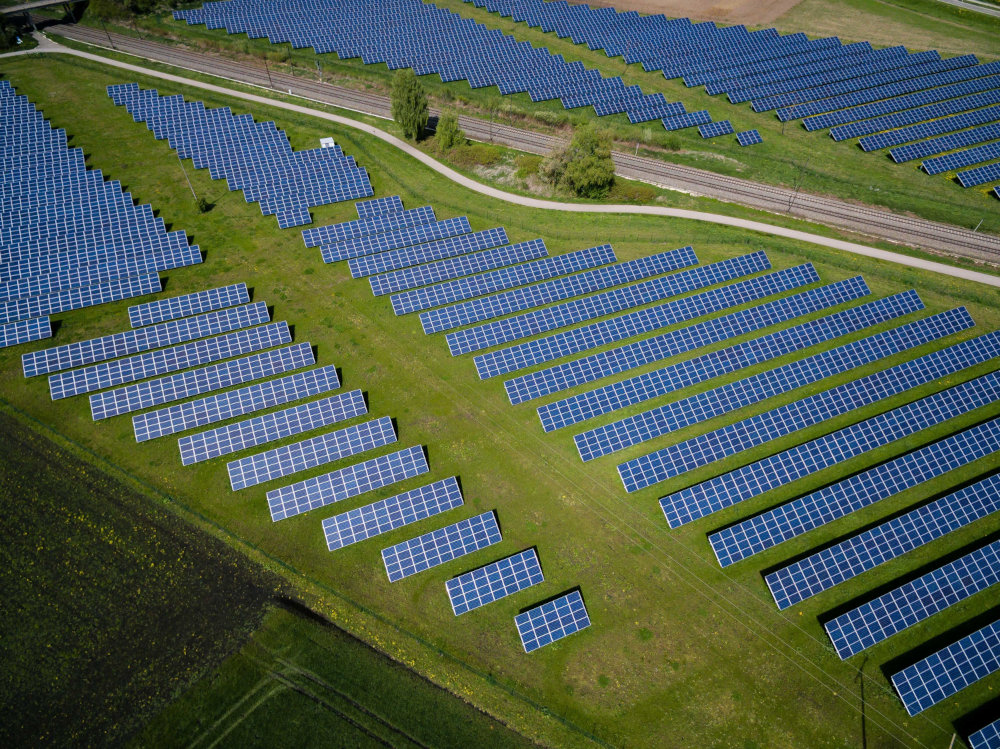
868,221
768,229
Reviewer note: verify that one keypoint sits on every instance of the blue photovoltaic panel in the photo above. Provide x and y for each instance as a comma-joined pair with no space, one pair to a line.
188,304
345,483
909,604
78,298
837,500
142,339
749,138
810,457
648,350
162,361
715,129
986,738
410,235
647,470
453,267
494,581
674,377
552,621
384,262
187,384
949,670
270,427
440,546
369,208
605,303
498,280
641,321
300,456
377,224
835,564
392,513
547,292
228,405
25,331
734,438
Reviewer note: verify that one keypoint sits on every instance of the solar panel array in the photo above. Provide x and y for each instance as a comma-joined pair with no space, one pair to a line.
185,305
273,426
949,670
494,581
762,428
389,514
68,238
254,157
234,403
986,738
135,341
648,425
911,603
176,387
837,500
342,484
831,566
554,620
440,546
300,456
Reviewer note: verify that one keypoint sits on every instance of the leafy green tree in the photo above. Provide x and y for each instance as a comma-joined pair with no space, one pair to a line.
448,133
584,167
409,104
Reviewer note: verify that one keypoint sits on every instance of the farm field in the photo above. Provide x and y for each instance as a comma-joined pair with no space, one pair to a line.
679,648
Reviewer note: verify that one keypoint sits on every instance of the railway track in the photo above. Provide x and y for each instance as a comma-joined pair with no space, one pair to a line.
865,220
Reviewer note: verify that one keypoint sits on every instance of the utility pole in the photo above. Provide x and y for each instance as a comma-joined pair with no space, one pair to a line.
188,179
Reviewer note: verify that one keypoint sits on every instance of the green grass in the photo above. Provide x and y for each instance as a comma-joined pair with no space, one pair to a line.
680,652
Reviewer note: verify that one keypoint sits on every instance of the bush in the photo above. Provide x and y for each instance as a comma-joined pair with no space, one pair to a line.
448,134
409,104
584,167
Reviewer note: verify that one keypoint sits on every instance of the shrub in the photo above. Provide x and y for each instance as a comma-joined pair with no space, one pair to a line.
409,104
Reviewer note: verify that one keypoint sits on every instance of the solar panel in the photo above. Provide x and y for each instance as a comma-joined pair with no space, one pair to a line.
443,270
383,262
391,240
749,138
498,280
599,305
300,456
909,604
270,427
543,625
392,513
837,500
864,551
641,321
25,331
803,460
715,129
440,546
228,405
78,298
696,408
494,581
153,363
188,304
135,341
986,738
196,382
949,670
369,208
761,428
553,290
345,483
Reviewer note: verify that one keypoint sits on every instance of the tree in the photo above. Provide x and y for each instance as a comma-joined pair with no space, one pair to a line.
448,133
585,166
409,104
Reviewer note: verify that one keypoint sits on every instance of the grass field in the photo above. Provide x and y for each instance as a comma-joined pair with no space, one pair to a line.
680,652
789,156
